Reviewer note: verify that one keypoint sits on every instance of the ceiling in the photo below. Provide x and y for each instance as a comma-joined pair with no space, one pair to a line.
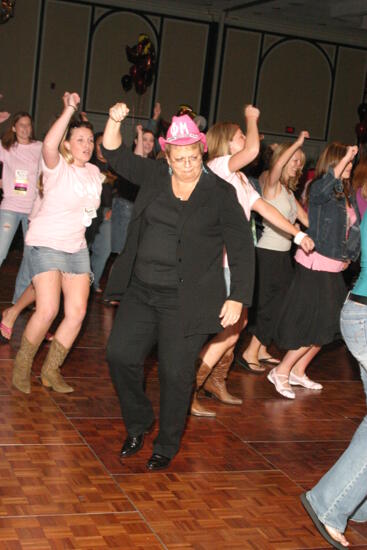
348,14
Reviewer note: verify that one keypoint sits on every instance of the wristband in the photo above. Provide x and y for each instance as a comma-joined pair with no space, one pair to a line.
299,237
111,117
72,106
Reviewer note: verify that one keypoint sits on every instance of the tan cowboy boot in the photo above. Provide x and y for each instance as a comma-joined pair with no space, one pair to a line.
215,384
23,365
50,373
202,374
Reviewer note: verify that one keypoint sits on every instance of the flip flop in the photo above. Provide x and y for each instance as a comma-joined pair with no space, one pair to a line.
247,365
270,361
8,331
320,526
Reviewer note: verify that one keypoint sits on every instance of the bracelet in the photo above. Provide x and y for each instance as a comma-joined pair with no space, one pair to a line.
72,106
299,237
111,117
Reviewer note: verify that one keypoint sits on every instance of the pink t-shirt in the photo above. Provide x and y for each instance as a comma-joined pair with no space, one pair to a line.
246,194
71,196
318,262
20,175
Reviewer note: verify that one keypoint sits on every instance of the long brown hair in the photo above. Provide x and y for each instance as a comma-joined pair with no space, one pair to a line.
329,158
10,138
288,182
359,180
218,138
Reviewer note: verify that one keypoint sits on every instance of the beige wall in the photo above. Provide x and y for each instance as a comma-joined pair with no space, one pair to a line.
290,79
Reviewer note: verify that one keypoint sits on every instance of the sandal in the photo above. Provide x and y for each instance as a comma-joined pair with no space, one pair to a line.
255,368
5,338
320,526
274,378
269,360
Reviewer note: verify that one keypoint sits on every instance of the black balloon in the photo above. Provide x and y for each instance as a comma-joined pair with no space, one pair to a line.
127,82
362,111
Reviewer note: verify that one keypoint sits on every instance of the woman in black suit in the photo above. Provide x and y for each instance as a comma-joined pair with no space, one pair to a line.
169,277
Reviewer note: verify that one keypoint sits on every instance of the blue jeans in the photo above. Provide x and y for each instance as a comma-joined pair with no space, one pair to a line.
121,214
23,279
342,493
101,249
9,222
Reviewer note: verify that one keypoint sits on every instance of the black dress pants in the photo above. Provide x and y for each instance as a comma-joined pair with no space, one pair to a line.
146,316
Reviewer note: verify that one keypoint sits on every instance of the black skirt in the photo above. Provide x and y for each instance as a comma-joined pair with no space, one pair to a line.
274,273
311,309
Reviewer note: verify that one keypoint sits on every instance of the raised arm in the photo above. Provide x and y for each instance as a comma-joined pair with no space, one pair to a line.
138,150
50,147
112,136
323,188
252,144
352,150
276,171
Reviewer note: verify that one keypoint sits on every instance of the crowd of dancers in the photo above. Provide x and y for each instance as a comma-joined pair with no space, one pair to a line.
205,249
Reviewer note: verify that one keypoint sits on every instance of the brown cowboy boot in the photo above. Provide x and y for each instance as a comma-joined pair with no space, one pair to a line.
215,384
50,373
202,374
23,365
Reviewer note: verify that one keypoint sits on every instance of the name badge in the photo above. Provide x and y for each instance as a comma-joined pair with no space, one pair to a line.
21,182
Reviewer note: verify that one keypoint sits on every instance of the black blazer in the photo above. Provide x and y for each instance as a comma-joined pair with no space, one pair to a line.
212,219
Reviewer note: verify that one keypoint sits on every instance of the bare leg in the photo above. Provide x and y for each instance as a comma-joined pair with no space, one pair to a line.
76,291
47,288
251,353
301,365
10,315
226,340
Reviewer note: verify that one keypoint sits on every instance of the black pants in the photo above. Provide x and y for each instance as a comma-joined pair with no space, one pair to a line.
147,316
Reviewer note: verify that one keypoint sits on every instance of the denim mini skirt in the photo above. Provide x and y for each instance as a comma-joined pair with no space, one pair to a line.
41,259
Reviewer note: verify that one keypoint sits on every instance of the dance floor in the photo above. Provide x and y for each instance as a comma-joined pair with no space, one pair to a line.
234,485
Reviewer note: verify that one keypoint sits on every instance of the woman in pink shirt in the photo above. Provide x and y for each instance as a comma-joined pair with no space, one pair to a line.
20,154
57,251
230,150
310,314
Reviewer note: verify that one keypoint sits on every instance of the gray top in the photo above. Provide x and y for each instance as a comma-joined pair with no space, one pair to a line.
273,238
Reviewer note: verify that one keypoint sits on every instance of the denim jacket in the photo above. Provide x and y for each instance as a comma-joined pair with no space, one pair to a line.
327,216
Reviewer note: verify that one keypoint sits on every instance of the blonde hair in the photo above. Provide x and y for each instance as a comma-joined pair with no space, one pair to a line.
218,138
289,182
74,124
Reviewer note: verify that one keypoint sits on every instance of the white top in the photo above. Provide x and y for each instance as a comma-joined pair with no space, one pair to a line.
71,196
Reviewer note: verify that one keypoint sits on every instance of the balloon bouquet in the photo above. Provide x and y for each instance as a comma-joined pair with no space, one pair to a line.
6,10
143,59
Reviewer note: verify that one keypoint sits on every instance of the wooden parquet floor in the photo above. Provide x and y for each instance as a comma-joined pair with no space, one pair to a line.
234,485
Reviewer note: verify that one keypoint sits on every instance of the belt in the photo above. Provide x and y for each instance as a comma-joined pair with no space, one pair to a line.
357,298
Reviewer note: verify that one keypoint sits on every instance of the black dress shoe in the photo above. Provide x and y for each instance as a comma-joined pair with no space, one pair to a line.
132,445
158,462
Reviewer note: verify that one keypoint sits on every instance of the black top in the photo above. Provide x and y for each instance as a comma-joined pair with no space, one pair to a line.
210,220
157,253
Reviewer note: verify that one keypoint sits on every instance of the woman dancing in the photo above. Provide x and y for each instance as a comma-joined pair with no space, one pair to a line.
57,251
274,263
169,277
310,314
